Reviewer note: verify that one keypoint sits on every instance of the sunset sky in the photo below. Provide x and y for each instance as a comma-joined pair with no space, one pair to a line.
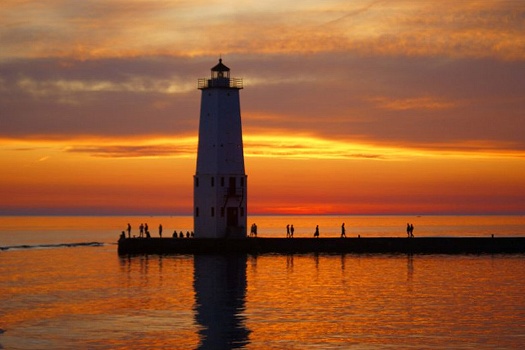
354,106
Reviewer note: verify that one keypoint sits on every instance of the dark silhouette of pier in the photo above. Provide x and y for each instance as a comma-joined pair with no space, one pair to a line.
420,245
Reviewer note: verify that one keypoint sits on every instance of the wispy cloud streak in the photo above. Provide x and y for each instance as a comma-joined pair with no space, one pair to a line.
130,29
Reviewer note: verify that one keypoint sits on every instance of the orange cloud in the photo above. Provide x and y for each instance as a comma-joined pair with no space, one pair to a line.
154,148
137,28
414,103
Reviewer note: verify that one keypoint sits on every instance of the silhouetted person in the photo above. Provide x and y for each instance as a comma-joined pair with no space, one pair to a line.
316,234
287,231
291,231
160,230
174,235
122,236
146,228
343,230
192,234
253,230
408,230
181,235
147,234
141,232
187,234
129,230
411,231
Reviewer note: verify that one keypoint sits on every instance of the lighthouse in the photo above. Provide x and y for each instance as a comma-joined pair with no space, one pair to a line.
220,181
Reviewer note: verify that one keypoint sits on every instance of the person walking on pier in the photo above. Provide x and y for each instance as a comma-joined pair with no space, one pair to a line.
410,230
160,230
129,230
253,230
291,231
287,231
316,234
141,230
343,231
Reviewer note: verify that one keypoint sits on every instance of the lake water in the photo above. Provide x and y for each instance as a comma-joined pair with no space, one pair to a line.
84,296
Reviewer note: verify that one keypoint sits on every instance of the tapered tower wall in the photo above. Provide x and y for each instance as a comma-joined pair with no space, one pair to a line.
220,181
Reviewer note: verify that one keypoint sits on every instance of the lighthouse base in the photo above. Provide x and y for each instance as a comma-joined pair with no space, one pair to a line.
236,232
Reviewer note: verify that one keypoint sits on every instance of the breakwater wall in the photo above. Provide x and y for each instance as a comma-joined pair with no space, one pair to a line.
420,245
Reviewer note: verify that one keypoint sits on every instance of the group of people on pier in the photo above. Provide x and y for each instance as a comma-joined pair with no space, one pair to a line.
145,233
181,234
290,231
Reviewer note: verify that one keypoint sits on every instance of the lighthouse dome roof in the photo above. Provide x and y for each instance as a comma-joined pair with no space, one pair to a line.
220,67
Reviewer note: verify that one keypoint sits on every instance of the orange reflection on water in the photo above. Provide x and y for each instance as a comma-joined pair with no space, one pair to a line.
88,297
343,300
71,296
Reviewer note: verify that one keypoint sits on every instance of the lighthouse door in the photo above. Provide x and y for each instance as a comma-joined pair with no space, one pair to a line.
232,216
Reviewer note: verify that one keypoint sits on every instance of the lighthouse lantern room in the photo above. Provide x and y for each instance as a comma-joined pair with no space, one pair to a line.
220,181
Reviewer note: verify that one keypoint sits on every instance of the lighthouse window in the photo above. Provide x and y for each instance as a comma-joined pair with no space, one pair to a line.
231,188
212,211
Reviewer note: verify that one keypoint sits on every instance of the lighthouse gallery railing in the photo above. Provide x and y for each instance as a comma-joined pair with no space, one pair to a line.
235,83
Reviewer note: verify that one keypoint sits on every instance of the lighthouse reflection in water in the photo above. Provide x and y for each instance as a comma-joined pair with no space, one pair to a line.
220,297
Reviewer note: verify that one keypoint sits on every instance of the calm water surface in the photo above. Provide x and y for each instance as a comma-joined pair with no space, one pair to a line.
87,297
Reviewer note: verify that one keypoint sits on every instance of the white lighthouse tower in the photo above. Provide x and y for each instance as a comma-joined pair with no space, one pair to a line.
220,182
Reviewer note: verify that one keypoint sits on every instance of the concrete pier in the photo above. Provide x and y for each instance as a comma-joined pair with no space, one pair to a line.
420,245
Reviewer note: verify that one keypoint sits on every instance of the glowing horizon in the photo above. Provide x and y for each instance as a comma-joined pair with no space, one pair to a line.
128,166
